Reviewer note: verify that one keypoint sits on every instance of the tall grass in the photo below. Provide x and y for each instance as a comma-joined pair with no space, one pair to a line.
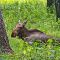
35,12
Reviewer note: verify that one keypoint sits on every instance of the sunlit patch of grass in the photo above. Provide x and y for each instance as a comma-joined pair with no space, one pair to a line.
6,1
12,1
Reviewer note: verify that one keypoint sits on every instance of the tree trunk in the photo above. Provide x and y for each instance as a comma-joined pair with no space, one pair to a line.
4,42
57,6
50,3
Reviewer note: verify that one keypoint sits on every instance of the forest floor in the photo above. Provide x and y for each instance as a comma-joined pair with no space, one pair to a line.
38,18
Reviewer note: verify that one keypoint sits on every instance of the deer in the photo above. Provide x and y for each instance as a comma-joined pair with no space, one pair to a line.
30,35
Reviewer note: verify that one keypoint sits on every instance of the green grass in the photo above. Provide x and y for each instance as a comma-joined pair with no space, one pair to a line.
36,14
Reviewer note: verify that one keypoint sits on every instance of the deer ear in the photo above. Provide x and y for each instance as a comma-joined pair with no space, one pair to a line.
24,23
19,21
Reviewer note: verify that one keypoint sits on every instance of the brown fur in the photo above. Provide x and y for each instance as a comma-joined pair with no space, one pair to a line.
30,35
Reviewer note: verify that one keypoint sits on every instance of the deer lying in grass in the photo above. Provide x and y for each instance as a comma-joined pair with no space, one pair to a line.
30,35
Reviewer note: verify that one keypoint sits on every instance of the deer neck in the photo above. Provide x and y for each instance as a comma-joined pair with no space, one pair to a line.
25,32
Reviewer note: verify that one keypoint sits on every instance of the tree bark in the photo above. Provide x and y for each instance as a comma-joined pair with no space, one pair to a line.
57,7
4,42
50,3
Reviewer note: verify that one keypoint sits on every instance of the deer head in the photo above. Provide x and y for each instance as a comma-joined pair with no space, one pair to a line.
19,27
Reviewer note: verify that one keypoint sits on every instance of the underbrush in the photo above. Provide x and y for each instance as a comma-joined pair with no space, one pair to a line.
36,14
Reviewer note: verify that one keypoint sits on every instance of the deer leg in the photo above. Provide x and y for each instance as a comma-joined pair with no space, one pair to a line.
29,40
